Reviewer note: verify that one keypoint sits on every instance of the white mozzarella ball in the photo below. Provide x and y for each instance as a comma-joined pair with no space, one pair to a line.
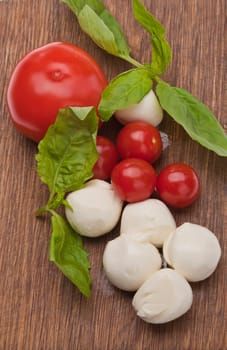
193,250
149,220
147,110
96,209
164,296
128,263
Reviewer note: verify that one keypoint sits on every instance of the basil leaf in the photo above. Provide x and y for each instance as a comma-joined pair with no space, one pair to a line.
101,26
147,20
161,55
68,152
161,50
77,5
125,89
67,252
194,116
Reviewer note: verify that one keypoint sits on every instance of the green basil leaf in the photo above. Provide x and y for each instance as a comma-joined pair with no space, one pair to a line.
67,252
101,26
67,153
147,20
198,121
77,5
125,89
161,55
161,50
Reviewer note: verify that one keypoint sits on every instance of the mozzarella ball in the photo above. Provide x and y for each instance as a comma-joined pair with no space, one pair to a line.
149,220
163,297
128,263
147,110
192,250
96,209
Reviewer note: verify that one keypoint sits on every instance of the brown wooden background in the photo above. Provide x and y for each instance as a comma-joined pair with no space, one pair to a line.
39,308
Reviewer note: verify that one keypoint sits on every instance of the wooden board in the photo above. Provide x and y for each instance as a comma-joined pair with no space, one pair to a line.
39,308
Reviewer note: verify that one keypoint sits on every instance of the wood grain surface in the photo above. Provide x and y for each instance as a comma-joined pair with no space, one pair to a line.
39,308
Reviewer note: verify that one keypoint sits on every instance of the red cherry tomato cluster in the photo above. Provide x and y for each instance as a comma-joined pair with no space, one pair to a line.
48,78
129,166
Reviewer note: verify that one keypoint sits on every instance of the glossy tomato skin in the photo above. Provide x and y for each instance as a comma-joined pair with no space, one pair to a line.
49,78
139,140
133,179
178,185
107,158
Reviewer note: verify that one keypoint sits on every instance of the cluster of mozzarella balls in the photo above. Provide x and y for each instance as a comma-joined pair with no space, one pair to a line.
132,261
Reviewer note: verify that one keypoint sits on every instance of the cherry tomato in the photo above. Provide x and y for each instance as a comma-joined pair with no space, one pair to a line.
51,77
107,158
133,179
139,140
178,185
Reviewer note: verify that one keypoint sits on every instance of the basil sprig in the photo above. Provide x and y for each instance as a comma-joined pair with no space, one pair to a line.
198,121
65,159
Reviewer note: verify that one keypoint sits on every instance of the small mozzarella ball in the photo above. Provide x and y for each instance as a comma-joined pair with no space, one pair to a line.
128,263
96,209
164,296
149,220
147,110
193,251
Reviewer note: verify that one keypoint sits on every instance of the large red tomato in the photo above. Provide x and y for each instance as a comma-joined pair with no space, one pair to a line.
51,77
